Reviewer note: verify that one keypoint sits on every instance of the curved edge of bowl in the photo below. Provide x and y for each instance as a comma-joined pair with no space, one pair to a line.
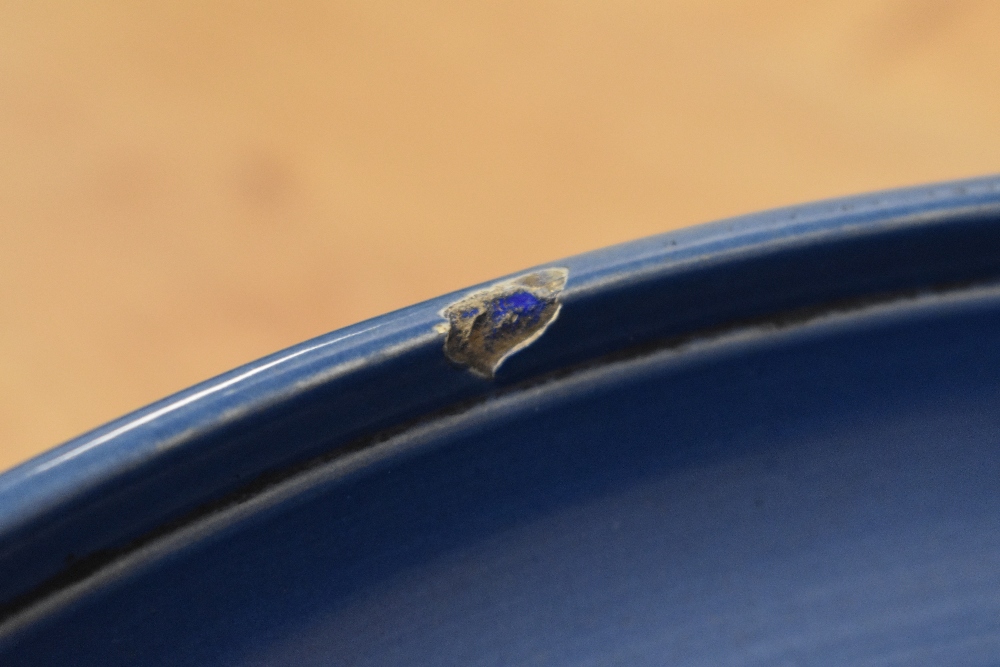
68,512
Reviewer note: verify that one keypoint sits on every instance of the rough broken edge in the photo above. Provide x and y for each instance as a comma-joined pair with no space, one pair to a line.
463,315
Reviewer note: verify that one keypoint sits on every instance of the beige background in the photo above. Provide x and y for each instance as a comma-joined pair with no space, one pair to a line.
188,185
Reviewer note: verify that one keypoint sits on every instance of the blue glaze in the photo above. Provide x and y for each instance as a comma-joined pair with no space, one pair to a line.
768,440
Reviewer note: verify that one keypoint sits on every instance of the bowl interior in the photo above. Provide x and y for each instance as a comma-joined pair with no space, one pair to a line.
826,493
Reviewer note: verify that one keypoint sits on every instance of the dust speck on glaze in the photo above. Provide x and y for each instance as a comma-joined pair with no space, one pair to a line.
488,326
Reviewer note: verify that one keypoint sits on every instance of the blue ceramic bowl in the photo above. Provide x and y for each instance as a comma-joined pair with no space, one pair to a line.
772,440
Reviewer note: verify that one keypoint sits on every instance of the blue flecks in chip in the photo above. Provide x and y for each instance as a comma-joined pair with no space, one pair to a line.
486,327
518,304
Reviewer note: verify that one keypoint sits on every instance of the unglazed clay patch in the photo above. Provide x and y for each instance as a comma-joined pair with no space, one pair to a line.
486,327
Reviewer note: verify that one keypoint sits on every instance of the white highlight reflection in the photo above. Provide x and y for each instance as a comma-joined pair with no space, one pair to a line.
87,446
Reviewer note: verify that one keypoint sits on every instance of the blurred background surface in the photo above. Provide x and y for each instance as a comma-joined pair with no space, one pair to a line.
187,186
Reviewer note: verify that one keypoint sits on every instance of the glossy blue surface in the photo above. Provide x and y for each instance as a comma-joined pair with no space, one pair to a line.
769,440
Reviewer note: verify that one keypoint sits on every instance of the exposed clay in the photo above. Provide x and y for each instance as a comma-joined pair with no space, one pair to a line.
486,327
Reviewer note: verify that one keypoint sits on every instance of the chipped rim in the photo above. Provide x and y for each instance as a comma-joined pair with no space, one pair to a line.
67,483
487,326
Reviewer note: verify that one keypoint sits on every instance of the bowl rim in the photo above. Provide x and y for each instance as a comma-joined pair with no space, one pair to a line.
47,504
